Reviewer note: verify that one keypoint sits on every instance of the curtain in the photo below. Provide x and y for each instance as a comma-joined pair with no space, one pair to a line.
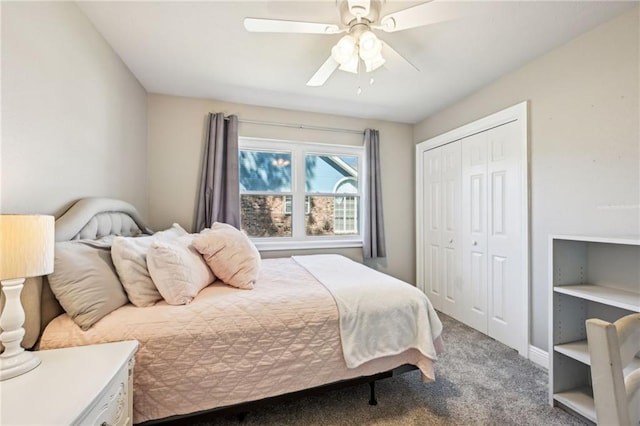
374,241
219,197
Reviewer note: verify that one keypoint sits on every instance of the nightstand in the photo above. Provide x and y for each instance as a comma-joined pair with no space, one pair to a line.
73,386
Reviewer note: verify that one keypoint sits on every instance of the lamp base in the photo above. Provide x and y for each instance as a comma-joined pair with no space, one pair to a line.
16,365
14,361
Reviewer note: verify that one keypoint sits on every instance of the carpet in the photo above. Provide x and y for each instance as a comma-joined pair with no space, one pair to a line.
479,381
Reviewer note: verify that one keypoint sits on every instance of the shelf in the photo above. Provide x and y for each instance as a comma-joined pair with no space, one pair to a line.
576,350
579,400
580,352
609,296
632,240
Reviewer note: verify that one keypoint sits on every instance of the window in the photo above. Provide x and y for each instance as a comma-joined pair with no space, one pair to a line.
346,210
300,195
265,192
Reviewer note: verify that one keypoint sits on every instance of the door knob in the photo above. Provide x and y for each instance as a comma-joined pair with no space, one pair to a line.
451,241
475,243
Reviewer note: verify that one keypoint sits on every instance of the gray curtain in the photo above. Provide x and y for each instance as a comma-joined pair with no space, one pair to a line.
374,241
219,198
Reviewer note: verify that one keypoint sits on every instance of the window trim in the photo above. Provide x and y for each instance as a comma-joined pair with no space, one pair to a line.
298,149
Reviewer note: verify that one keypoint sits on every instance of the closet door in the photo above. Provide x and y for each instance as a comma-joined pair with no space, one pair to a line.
504,228
491,217
450,231
472,225
432,226
441,198
474,231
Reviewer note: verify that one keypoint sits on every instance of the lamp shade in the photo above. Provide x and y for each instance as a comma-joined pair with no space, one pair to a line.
344,50
374,63
369,46
351,65
26,246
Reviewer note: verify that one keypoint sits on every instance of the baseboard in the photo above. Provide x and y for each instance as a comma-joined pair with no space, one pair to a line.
539,356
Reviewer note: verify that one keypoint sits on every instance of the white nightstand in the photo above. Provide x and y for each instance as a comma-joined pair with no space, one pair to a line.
84,385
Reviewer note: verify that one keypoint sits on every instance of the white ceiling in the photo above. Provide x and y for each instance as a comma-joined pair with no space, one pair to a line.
201,49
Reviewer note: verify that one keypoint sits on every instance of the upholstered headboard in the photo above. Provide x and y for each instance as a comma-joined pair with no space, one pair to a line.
88,218
93,218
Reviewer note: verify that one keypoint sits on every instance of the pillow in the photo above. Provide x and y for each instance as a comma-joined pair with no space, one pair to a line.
178,270
230,254
129,255
85,282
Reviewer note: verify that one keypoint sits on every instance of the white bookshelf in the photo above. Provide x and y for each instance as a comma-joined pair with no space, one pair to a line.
592,277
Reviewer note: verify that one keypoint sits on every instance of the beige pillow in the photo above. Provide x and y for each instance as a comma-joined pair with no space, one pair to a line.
129,256
85,282
178,270
230,254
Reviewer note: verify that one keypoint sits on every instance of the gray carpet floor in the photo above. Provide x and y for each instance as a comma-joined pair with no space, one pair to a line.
478,382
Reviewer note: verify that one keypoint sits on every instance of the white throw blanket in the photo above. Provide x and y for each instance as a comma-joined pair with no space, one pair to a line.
379,315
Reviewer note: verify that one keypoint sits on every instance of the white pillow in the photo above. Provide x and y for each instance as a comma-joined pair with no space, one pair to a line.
230,254
178,270
129,255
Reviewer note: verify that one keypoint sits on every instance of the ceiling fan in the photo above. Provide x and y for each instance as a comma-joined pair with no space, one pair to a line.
358,19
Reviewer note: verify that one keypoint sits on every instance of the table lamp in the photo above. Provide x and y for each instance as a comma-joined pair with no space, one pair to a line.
26,250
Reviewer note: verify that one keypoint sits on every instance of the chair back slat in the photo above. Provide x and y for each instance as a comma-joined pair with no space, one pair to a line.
612,346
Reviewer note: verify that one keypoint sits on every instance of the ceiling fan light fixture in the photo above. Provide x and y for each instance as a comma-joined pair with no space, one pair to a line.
374,63
369,46
344,50
351,65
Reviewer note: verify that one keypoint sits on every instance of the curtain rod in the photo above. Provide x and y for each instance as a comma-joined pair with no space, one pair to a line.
301,126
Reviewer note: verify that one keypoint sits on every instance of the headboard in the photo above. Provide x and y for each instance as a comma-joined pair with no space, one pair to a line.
88,218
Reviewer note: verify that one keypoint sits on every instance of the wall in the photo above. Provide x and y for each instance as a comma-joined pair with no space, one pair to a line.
583,139
176,142
73,115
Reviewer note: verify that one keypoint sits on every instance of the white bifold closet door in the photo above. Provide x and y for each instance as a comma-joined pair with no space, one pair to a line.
491,233
443,281
472,222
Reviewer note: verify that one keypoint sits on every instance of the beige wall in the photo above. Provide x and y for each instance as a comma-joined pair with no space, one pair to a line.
176,143
584,141
73,115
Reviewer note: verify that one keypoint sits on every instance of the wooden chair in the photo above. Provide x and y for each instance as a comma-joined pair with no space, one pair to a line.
616,387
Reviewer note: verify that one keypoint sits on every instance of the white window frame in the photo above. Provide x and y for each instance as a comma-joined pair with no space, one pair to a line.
298,150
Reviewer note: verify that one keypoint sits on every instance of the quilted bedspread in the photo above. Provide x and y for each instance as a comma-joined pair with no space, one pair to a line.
229,345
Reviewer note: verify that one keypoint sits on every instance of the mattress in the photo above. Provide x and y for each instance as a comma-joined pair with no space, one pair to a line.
229,345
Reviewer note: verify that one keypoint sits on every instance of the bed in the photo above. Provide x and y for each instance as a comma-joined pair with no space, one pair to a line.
300,328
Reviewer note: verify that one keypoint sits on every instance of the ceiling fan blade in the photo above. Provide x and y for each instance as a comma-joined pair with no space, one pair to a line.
396,62
428,13
258,25
323,73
